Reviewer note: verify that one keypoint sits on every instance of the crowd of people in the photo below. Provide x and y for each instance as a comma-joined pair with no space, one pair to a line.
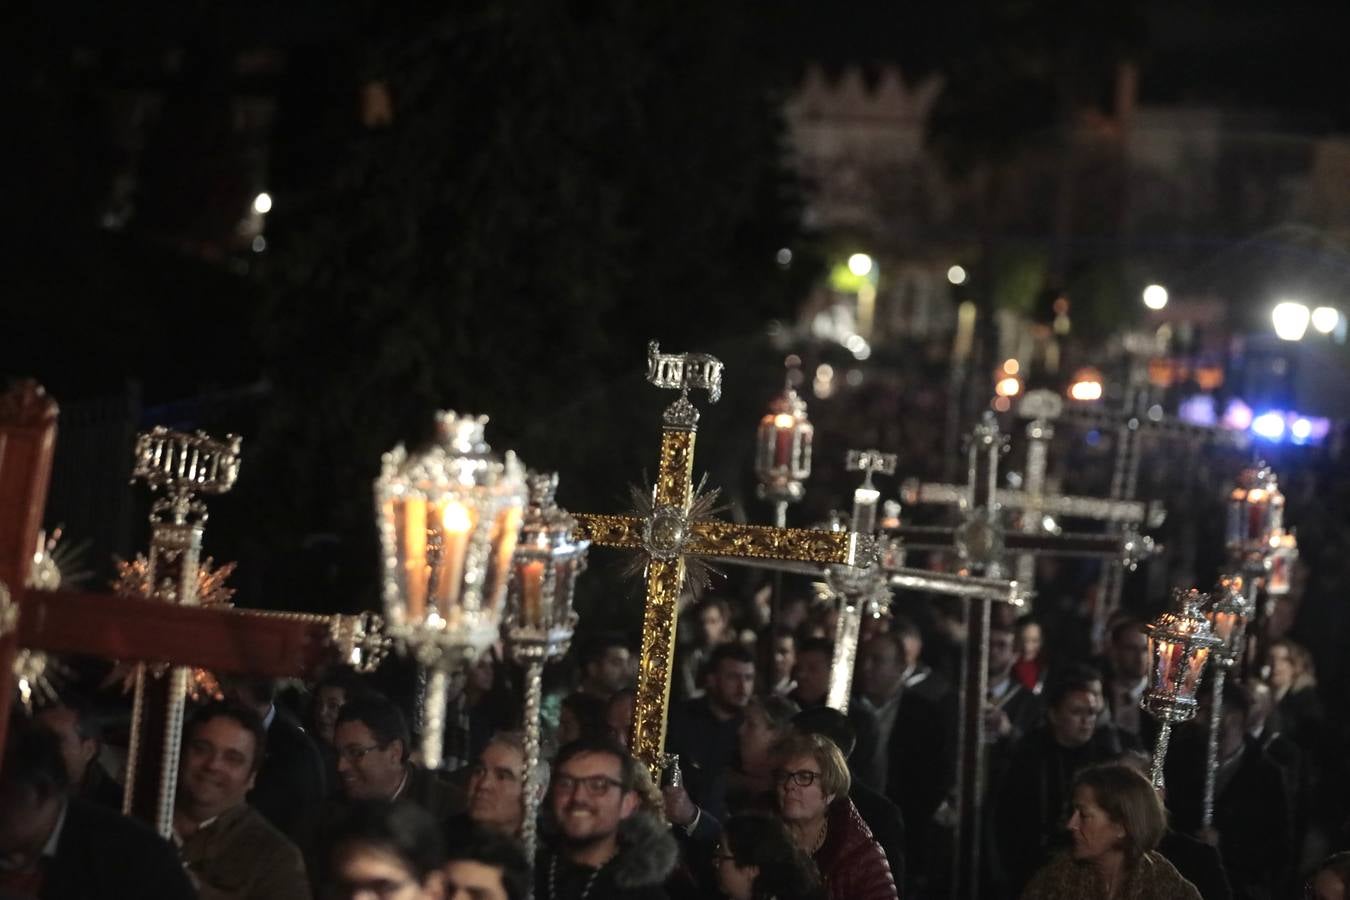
316,791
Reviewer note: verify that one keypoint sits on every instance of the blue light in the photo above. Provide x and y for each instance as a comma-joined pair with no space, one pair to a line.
1300,430
1093,438
1269,425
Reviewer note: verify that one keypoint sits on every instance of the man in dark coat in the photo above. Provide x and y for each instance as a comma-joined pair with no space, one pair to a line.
607,845
57,847
73,722
703,731
291,780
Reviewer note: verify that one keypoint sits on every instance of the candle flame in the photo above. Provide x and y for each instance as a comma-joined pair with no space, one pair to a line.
456,518
784,420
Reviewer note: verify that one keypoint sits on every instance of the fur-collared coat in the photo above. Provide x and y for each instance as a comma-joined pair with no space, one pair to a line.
1151,878
647,855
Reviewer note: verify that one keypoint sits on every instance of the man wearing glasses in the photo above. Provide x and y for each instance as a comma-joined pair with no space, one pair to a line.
373,748
608,845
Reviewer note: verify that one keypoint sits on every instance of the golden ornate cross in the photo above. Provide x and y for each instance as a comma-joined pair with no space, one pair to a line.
672,531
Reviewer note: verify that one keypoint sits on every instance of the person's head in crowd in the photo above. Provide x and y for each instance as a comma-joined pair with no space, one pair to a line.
1236,716
605,663
1291,667
1073,704
75,726
828,723
1002,651
582,715
393,851
881,667
594,789
34,787
619,715
792,612
254,691
714,621
1263,704
813,670
783,651
730,679
487,867
497,784
332,691
872,626
1127,650
1117,816
1029,638
811,773
757,860
1331,880
373,746
911,640
481,674
223,748
767,720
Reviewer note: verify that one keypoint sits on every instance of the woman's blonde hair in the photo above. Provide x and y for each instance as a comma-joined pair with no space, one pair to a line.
1127,797
1305,674
834,777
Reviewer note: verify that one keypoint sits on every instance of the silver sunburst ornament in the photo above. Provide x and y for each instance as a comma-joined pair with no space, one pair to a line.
666,531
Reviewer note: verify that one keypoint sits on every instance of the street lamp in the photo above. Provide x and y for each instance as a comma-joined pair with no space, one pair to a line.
1086,384
448,519
1325,319
1291,320
1155,296
860,264
1179,643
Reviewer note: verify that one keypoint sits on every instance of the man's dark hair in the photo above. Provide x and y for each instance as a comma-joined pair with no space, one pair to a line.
591,712
346,679
597,645
401,828
254,688
716,603
828,723
903,626
245,717
501,853
33,760
608,746
815,645
896,640
782,631
87,724
734,651
381,716
1069,680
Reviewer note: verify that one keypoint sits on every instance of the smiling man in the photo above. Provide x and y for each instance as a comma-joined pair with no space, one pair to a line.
228,848
373,749
608,846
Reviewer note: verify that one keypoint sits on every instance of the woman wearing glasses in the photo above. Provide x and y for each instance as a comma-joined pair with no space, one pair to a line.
757,860
1117,822
812,793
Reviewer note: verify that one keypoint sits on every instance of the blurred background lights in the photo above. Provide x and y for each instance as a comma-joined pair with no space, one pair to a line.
956,275
1325,319
1155,296
1290,319
784,257
860,264
262,204
1269,425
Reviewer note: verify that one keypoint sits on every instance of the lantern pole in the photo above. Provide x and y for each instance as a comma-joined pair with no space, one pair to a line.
1179,642
1231,605
540,621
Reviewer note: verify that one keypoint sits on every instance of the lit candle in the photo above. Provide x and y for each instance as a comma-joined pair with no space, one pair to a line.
414,526
506,532
532,593
784,424
458,523
1257,503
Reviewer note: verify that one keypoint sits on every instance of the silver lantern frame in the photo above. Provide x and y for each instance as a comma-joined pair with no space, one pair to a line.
1179,643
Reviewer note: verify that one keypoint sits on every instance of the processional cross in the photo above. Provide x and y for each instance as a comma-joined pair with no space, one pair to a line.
980,542
672,531
161,630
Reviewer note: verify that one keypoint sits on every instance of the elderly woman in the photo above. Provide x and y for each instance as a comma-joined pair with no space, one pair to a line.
813,783
757,860
1116,824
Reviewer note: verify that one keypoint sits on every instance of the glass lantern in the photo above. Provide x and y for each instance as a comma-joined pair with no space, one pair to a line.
1280,570
448,519
1179,642
1255,514
1228,612
783,450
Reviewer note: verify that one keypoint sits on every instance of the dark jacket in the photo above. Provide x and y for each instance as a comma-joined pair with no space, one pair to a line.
851,862
647,856
1198,863
708,749
101,855
242,856
291,780
1151,878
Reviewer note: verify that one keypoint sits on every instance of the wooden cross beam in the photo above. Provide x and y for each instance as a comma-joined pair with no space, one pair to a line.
981,542
110,626
672,528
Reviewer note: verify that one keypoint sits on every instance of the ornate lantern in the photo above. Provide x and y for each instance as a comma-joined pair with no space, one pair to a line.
448,519
1280,564
1255,515
783,451
539,616
1179,642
